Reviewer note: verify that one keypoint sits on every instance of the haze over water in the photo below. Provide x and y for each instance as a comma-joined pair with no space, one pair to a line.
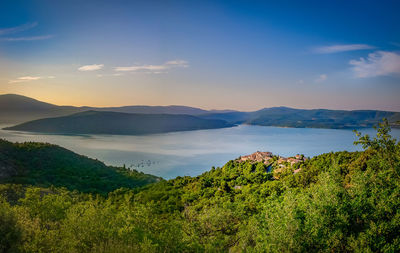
194,152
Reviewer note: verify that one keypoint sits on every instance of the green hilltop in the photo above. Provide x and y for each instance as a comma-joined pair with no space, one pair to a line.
48,165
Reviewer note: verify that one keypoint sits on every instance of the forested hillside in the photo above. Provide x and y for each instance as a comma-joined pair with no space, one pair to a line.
335,202
47,165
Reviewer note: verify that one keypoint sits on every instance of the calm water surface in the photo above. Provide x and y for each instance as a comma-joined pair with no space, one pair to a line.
191,153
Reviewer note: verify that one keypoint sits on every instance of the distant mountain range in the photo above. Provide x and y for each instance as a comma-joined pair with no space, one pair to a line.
17,109
315,118
48,118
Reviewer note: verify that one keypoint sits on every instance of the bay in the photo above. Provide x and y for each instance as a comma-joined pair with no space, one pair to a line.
191,153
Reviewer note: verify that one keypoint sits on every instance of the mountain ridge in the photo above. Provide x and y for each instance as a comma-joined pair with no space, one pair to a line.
17,109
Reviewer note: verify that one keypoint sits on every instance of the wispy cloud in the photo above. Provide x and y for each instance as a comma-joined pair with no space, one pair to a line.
301,81
29,79
395,44
92,67
341,48
179,63
107,75
21,28
379,63
44,37
321,78
141,67
155,69
17,29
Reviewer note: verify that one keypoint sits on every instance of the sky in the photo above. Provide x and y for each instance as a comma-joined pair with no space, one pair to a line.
242,55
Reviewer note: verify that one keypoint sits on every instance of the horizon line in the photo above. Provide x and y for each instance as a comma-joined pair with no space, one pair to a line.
195,107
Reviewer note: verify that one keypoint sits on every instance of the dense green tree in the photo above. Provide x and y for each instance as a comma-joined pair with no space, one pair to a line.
336,202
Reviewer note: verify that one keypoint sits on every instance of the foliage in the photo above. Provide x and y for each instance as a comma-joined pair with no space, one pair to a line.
338,202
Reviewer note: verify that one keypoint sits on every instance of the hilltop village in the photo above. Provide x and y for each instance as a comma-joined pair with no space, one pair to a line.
275,163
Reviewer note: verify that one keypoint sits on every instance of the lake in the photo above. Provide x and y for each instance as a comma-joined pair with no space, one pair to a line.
194,152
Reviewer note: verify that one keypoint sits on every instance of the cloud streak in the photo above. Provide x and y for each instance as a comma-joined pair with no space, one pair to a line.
341,48
321,78
17,29
155,69
141,67
178,63
32,38
92,67
23,79
22,28
379,63
108,75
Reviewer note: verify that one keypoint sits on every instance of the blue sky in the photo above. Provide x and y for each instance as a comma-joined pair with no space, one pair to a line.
241,55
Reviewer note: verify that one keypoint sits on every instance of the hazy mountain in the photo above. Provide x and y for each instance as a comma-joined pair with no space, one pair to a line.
316,118
16,109
319,118
94,122
234,117
171,109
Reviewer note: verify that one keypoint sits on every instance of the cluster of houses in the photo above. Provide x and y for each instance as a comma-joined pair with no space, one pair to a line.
257,157
268,158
